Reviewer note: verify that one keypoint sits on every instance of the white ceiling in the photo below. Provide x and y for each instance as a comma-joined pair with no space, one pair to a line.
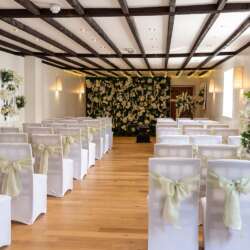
152,31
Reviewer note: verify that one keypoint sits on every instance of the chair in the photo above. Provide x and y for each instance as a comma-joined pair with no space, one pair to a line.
31,199
225,132
218,234
174,139
166,231
38,131
196,131
234,140
9,130
30,124
192,125
13,138
5,220
205,139
60,169
76,152
104,133
211,126
166,150
161,131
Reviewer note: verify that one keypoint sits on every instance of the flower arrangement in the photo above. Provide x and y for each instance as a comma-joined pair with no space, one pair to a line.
132,102
20,101
184,103
9,101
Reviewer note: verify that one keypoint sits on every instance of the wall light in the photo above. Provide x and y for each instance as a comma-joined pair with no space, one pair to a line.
238,77
211,86
58,87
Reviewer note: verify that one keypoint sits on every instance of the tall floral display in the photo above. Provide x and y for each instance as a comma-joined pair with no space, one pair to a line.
245,127
184,104
131,102
11,102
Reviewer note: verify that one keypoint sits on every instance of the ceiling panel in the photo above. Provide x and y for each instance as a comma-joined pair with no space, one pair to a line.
147,3
119,63
176,62
240,41
48,3
100,4
224,26
215,60
118,31
53,33
138,63
11,29
152,31
61,60
156,63
195,61
83,62
80,28
10,4
100,62
238,1
194,2
186,29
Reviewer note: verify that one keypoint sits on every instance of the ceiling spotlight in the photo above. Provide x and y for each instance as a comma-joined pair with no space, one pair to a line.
55,8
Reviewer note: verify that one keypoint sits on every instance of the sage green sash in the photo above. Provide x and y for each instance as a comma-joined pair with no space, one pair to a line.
11,183
175,192
44,151
233,189
68,141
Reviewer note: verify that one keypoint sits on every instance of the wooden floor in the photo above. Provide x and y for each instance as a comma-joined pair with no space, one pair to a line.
105,211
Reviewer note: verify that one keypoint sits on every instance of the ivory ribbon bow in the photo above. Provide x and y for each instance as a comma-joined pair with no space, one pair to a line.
233,189
44,151
11,183
68,141
175,192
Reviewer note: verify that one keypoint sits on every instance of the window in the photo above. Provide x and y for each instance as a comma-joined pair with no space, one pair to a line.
228,93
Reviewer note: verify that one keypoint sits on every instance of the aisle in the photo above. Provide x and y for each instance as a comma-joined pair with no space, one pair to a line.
106,211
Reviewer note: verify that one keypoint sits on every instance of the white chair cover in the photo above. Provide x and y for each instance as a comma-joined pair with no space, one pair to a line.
32,200
234,140
60,170
192,125
161,131
13,138
162,236
196,131
9,130
217,236
174,139
167,125
5,220
31,124
225,132
76,153
205,139
219,125
104,133
166,150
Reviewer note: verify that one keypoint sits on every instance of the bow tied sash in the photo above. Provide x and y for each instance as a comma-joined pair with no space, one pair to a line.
44,151
68,141
11,183
232,189
174,193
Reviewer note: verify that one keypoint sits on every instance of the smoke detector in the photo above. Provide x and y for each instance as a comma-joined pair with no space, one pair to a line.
55,8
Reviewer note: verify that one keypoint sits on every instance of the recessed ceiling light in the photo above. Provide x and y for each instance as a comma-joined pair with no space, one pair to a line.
15,30
94,39
83,30
37,39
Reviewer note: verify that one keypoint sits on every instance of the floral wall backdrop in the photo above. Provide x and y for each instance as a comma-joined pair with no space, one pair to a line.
129,101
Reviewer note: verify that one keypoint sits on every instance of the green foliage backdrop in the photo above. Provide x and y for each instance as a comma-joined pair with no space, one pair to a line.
129,101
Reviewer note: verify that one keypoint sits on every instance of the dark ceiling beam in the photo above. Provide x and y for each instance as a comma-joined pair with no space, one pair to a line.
113,12
229,57
31,7
31,31
85,55
172,6
207,26
94,25
28,4
11,51
133,29
245,25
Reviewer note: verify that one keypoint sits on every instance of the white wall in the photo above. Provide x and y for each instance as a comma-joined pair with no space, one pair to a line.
215,102
67,103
